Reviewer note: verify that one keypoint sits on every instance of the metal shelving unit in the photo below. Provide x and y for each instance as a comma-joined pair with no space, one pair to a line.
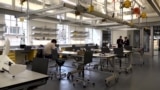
80,35
44,33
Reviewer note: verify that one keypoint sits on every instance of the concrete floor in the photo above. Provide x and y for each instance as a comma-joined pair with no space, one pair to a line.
142,78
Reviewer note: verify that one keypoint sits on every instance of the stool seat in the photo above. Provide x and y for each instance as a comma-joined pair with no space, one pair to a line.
60,62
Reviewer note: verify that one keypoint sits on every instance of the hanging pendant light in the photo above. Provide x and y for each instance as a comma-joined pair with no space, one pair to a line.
91,8
143,15
127,4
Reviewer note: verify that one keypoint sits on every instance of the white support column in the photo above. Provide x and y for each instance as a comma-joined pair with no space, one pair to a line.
141,38
29,38
44,4
151,41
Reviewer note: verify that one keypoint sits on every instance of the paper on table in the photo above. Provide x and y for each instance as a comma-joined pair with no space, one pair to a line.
16,69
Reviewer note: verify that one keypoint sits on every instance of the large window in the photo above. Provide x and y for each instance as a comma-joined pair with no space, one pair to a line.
63,34
15,30
90,35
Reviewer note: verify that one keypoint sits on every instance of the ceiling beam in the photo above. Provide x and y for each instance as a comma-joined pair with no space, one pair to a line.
12,12
98,14
52,14
154,4
41,10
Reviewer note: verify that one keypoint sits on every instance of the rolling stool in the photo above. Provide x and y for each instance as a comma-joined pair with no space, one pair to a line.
60,62
27,49
60,74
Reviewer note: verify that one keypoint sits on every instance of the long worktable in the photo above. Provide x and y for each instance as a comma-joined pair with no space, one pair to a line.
107,56
22,81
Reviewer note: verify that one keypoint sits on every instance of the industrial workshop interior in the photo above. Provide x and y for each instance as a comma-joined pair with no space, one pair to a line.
79,44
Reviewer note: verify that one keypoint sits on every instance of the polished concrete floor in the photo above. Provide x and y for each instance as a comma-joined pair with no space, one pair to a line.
144,77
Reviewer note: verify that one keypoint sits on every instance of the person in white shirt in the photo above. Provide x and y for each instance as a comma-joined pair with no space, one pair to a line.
49,47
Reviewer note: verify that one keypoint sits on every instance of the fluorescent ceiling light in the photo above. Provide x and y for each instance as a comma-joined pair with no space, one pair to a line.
73,16
69,2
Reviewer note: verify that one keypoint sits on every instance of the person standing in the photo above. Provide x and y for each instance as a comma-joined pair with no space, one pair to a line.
126,41
120,42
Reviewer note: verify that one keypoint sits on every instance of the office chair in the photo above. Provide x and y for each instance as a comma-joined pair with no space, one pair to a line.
76,59
119,54
60,62
129,48
141,51
87,58
87,48
39,65
104,50
27,50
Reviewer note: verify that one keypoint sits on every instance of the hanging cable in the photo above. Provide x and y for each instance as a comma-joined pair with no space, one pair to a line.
114,8
121,11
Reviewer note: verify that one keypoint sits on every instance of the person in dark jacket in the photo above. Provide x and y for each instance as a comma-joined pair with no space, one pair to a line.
126,41
120,42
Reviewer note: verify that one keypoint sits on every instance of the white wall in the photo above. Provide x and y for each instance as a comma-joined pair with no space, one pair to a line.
115,35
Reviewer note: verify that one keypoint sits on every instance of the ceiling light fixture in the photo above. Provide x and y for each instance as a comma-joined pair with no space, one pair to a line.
69,2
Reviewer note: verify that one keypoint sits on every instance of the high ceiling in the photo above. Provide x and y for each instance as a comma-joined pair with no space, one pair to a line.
105,7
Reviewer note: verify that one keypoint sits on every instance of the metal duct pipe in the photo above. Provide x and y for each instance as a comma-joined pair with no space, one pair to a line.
154,6
52,14
42,10
98,14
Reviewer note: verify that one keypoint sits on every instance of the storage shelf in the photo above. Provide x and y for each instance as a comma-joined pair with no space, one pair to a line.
44,29
79,35
43,33
79,32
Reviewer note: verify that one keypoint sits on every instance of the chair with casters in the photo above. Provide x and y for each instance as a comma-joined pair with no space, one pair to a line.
128,48
76,59
104,50
87,58
59,62
39,65
119,54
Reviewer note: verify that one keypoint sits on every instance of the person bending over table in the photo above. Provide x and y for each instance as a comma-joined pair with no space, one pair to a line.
49,47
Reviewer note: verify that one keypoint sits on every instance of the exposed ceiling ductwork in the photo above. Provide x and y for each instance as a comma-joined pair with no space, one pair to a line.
154,5
105,16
